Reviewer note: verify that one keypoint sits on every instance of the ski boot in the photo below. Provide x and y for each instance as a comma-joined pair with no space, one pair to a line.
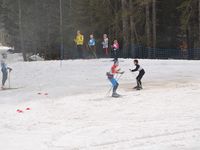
135,87
114,91
139,88
115,95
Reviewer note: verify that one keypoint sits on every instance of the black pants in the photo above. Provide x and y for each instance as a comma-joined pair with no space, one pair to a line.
139,78
116,54
93,51
80,51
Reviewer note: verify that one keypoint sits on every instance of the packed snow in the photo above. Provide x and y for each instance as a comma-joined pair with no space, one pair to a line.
69,108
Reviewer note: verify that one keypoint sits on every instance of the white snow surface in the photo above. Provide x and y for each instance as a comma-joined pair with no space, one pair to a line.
77,115
36,58
4,48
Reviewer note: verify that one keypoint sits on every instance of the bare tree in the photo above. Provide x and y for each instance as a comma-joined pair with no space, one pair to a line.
133,31
154,25
21,30
199,21
61,32
125,27
148,30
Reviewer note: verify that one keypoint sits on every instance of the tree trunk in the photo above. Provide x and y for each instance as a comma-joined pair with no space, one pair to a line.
61,33
116,28
35,34
148,36
47,5
134,37
125,28
154,26
21,31
132,23
199,21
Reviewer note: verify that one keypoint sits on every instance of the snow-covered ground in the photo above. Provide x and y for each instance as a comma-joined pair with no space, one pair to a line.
4,49
70,109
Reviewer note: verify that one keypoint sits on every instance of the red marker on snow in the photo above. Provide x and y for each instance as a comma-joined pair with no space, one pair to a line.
19,111
28,109
46,94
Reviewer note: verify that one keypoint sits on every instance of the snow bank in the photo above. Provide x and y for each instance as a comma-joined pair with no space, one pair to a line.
36,58
4,49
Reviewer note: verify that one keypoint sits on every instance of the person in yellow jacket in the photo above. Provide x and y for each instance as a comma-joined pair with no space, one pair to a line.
79,40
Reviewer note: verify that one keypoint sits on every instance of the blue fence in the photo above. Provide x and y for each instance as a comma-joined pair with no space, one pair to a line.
160,53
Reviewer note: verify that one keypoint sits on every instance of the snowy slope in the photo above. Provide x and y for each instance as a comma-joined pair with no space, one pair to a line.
70,109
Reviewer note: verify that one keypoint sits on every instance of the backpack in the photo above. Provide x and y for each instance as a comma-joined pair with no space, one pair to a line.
109,75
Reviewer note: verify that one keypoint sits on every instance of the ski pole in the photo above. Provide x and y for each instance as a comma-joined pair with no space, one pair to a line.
9,79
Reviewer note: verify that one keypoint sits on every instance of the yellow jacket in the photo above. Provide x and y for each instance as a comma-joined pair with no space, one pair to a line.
79,39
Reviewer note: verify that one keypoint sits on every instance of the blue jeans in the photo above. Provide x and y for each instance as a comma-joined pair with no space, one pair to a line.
5,76
114,82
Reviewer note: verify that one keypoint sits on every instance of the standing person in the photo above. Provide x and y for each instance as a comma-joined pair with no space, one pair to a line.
105,44
115,70
79,40
4,70
92,45
115,48
140,76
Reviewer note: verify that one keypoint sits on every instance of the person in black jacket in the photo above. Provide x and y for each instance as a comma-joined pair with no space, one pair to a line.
140,76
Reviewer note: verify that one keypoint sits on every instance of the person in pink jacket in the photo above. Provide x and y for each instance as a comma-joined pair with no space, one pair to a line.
115,48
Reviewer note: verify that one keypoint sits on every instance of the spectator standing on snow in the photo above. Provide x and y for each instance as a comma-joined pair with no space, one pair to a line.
105,44
112,75
4,70
92,45
140,76
79,40
115,48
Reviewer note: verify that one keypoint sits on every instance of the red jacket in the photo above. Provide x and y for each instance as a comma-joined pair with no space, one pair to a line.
114,69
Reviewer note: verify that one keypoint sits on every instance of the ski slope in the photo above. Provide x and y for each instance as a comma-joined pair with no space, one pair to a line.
70,109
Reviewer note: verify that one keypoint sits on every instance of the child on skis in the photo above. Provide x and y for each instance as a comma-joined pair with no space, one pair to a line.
140,76
4,70
91,44
115,48
115,70
105,44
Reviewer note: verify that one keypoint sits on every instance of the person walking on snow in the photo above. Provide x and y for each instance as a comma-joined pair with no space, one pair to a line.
92,45
115,48
140,76
79,40
4,70
115,70
105,44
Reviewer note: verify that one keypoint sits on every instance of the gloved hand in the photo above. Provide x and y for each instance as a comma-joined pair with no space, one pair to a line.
10,69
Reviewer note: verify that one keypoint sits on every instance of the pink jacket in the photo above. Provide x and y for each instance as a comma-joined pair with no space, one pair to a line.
115,46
